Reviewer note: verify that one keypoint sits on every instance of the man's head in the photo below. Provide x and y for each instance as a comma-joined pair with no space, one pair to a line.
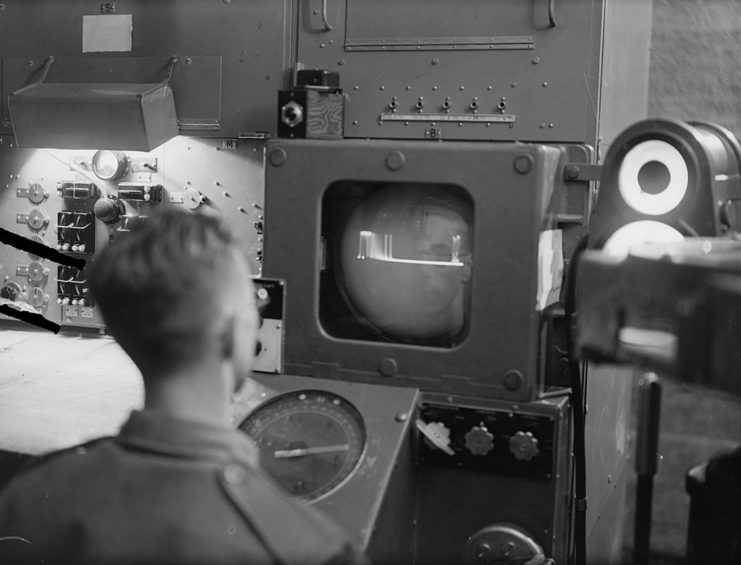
176,295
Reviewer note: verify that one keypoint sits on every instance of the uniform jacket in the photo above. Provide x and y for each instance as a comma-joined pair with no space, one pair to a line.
162,491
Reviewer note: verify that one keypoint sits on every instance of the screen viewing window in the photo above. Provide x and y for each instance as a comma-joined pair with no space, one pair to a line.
398,262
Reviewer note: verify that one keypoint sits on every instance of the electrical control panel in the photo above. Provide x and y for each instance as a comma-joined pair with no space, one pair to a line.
499,441
509,463
77,201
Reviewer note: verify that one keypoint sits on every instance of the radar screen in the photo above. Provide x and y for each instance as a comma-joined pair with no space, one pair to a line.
398,262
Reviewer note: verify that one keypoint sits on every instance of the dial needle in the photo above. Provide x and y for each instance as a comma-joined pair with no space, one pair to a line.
286,453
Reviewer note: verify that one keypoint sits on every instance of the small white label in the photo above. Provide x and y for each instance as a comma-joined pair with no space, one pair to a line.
107,33
70,311
550,268
87,312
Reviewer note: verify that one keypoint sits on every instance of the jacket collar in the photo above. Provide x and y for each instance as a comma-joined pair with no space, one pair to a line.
149,430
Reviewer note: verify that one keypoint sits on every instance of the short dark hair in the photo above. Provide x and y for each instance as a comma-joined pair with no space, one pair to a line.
157,287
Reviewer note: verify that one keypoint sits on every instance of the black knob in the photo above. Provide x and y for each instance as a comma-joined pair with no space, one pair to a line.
108,210
9,293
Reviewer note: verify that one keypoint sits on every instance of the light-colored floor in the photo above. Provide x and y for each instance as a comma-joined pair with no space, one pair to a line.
59,390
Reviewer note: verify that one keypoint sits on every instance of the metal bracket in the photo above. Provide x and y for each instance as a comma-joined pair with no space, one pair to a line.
581,172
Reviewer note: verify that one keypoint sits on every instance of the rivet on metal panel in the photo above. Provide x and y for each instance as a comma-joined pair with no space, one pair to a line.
388,367
401,417
536,60
435,61
341,62
523,164
356,87
545,85
514,379
278,156
395,160
513,85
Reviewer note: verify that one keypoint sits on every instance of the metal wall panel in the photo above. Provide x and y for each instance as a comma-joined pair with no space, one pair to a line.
503,70
251,41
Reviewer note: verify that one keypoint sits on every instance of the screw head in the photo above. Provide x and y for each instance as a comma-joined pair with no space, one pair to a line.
523,164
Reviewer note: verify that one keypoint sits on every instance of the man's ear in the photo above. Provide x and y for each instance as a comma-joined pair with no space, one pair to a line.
227,337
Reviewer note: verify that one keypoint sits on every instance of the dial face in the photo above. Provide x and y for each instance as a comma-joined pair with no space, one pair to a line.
109,165
35,271
36,193
310,441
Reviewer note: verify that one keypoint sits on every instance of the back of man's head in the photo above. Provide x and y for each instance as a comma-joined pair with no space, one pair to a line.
166,289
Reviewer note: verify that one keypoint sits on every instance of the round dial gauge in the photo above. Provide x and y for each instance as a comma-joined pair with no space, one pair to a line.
109,165
310,441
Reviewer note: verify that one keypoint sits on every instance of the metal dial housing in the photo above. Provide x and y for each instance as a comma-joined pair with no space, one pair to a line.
109,165
310,441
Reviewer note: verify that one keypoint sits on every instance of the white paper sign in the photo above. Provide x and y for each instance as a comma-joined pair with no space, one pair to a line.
107,33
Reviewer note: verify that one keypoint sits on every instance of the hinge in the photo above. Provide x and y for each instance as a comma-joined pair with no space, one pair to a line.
581,172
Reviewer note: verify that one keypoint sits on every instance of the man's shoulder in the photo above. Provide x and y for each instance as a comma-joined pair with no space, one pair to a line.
54,463
285,524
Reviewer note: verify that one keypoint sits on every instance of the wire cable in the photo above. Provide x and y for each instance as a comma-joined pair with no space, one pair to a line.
577,410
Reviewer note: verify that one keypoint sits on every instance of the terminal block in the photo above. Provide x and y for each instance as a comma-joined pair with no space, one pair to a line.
140,191
72,287
74,190
76,232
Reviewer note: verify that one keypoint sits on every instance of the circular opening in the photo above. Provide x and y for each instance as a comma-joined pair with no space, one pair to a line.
109,165
654,177
404,262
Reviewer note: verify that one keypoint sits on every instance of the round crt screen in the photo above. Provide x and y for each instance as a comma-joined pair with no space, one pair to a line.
405,262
